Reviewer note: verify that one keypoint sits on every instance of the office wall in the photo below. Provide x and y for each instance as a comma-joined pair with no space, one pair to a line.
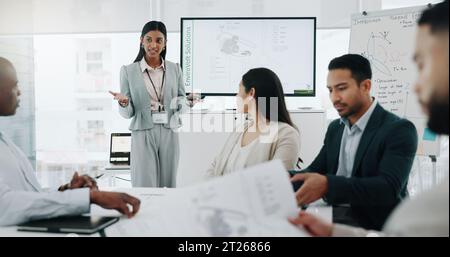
330,13
72,16
87,16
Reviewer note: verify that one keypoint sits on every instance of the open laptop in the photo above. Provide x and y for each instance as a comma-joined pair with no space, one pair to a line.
120,151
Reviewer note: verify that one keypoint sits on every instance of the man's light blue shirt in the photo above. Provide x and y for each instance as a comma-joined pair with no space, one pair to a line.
21,196
350,141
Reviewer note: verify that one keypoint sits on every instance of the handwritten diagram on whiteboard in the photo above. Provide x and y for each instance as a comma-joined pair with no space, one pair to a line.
387,40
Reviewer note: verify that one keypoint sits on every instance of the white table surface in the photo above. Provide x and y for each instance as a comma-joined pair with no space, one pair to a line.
145,194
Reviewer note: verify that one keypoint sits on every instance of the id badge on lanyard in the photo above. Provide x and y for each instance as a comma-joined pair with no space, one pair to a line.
160,116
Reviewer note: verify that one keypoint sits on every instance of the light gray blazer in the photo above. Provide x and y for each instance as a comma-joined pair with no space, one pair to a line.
132,85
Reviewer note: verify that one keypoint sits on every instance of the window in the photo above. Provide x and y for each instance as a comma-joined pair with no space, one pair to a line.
94,62
75,114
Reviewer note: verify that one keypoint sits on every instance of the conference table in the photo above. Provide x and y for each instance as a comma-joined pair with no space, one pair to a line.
147,196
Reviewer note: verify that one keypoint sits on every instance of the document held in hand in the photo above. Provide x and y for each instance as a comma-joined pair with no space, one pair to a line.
252,202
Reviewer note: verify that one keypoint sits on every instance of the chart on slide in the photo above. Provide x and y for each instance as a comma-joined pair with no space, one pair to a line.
216,53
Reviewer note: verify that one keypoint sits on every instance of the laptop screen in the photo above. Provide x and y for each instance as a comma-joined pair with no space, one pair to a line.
120,148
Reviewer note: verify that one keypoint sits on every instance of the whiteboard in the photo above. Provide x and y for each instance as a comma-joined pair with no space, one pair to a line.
387,39
217,52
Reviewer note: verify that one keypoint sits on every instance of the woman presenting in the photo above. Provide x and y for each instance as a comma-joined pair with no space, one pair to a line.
152,93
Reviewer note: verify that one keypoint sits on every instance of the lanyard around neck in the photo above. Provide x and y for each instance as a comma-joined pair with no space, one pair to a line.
159,97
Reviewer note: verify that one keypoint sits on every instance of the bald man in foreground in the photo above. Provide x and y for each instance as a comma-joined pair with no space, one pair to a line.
21,196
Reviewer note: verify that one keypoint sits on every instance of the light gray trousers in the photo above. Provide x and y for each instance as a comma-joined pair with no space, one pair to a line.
155,154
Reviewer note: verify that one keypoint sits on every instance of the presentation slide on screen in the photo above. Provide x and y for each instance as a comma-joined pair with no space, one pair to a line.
121,144
216,53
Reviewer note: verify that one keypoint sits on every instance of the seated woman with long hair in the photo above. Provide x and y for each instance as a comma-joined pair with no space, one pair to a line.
268,134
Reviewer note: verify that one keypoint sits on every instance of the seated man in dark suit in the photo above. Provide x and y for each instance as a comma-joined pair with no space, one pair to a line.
364,164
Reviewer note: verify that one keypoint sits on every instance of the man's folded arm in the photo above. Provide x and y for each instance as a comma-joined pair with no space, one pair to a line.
21,206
